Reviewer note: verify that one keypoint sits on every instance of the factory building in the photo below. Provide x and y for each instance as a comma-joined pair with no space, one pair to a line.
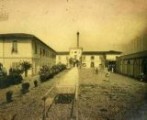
18,47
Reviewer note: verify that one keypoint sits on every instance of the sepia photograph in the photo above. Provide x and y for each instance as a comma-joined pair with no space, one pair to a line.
73,59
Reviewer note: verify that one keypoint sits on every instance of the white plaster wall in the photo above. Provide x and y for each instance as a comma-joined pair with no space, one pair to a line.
24,48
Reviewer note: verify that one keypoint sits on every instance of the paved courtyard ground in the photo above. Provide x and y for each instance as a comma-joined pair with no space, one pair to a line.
100,98
116,98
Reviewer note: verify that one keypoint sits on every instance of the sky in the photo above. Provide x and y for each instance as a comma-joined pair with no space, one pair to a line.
102,24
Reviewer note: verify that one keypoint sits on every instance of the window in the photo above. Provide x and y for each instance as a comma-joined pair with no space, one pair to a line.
43,52
14,47
52,55
128,62
83,58
48,54
92,57
40,51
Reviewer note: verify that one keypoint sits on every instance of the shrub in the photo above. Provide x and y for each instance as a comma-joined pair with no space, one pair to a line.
15,71
9,96
35,83
14,79
58,68
45,73
55,69
25,87
4,82
42,78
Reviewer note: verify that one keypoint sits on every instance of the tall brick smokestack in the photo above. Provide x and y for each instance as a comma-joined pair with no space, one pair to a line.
78,39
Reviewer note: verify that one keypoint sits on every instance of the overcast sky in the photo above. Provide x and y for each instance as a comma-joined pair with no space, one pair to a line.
103,24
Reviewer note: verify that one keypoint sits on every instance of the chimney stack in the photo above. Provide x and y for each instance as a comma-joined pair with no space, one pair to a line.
78,39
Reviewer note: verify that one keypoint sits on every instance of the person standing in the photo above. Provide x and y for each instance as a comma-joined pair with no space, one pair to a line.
96,69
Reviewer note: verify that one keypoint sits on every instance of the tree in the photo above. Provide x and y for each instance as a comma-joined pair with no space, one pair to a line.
25,65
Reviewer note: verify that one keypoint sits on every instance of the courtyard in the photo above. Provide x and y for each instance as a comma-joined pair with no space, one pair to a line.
114,98
99,98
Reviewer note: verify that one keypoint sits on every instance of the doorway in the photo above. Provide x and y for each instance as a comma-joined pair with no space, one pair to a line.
92,64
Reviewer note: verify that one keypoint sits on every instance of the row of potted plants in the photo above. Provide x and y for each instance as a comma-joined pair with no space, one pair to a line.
45,74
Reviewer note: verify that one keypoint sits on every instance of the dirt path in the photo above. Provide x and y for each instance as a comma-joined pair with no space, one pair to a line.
108,99
63,107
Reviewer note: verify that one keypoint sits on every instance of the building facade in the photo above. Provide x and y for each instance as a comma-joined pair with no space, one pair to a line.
90,59
19,47
133,62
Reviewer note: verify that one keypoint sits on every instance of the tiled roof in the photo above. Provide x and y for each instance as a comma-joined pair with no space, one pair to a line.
142,54
63,53
101,52
93,52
